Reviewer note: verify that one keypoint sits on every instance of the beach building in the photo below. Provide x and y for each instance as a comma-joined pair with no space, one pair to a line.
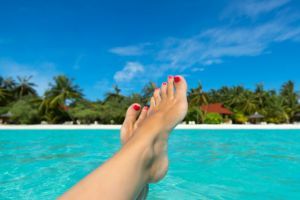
4,118
256,118
216,108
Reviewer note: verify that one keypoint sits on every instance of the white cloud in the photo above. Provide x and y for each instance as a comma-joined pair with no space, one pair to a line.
235,38
211,46
132,50
293,34
212,62
252,8
197,69
76,65
130,71
41,73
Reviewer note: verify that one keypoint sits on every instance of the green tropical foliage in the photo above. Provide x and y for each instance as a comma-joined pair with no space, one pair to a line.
147,92
5,90
64,101
195,114
24,111
240,118
4,94
24,87
197,96
213,118
290,100
61,90
53,106
84,111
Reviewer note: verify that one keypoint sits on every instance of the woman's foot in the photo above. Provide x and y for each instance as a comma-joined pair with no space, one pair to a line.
170,100
143,158
168,107
133,119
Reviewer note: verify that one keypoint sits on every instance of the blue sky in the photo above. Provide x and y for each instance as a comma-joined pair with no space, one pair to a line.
128,43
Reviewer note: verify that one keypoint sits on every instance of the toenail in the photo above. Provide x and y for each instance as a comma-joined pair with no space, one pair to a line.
146,107
177,79
170,77
136,107
164,83
156,89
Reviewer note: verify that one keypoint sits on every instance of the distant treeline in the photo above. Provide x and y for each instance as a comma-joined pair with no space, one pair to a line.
64,101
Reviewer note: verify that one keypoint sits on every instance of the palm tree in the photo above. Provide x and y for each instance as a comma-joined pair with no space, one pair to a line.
62,90
220,95
1,81
4,95
197,96
290,99
248,104
147,92
233,97
115,95
260,96
8,83
53,106
24,87
275,109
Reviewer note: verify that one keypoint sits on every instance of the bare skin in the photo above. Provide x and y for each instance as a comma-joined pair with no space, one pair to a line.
130,124
143,158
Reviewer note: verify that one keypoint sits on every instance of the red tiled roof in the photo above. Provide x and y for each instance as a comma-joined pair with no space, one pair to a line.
216,108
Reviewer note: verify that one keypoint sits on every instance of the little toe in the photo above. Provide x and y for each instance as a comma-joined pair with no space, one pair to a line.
142,116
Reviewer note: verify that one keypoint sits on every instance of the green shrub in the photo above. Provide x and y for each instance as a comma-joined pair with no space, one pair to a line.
86,116
194,114
240,118
213,118
276,120
4,110
24,112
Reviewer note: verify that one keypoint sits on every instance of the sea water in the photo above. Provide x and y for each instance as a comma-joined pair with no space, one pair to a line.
204,164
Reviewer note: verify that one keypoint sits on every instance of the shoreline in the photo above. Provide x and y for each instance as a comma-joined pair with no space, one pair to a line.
179,127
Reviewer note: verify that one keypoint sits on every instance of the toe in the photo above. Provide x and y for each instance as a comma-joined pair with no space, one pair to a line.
130,119
181,86
163,90
156,96
152,102
152,105
142,116
170,87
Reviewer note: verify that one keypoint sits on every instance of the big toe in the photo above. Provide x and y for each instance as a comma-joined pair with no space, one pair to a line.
130,119
180,86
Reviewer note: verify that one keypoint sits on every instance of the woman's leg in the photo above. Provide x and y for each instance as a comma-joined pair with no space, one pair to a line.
143,159
133,119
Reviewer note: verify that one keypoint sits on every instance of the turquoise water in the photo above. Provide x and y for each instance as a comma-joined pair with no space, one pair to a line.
204,164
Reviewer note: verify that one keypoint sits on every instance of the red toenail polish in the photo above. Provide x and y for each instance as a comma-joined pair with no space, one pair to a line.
170,77
164,83
146,107
136,107
177,79
156,88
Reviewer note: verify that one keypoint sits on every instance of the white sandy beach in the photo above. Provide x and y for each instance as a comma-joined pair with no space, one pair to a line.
181,126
